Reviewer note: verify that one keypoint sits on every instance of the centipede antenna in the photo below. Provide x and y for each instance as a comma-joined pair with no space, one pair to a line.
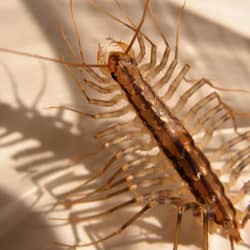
123,12
138,28
77,35
156,23
99,7
45,58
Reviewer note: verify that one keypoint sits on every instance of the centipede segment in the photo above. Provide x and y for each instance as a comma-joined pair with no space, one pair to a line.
159,135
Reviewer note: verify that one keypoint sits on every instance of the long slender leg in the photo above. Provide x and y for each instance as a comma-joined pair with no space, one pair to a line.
109,184
132,166
101,89
246,218
157,69
174,63
176,82
77,219
205,118
78,39
106,103
70,202
229,144
148,66
178,227
116,156
240,167
126,136
229,113
160,83
152,62
96,116
198,106
212,85
209,132
91,84
102,9
205,230
141,54
199,84
77,35
113,129
184,98
148,183
234,159
120,230
231,243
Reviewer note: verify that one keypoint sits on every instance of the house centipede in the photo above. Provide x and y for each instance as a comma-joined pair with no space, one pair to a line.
185,161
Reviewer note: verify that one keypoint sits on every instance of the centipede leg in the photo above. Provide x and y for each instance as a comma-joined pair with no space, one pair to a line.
157,69
197,107
114,158
70,202
106,103
205,230
240,167
184,98
120,169
98,215
148,66
246,216
228,166
96,116
161,82
142,51
126,136
210,131
201,121
231,243
244,137
109,184
176,82
178,227
113,129
90,71
120,230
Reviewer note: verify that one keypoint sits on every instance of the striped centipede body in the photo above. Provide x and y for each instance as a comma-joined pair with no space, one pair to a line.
163,156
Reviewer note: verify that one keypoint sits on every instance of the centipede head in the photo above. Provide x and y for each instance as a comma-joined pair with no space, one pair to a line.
118,63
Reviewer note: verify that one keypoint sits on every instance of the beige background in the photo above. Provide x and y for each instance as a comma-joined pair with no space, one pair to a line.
215,40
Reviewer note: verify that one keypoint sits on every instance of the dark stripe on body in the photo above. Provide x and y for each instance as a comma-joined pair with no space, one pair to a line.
190,162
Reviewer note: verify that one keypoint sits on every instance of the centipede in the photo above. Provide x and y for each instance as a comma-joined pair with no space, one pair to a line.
168,140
